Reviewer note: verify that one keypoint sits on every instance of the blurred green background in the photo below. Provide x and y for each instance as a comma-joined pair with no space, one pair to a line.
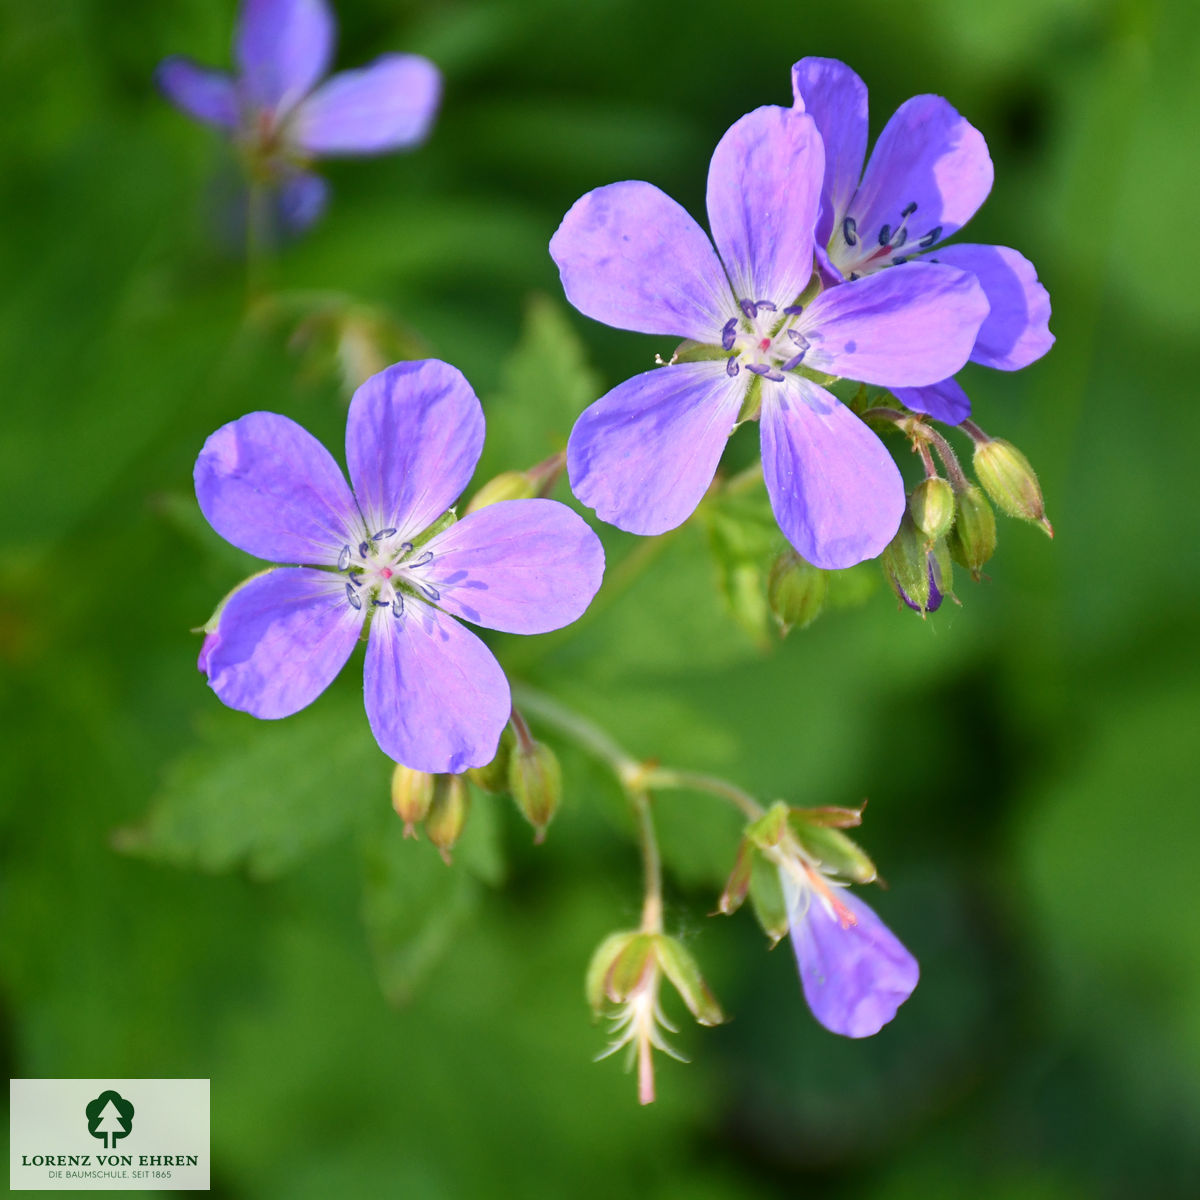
187,892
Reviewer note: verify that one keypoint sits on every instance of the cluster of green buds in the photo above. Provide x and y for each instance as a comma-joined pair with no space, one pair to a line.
950,519
624,983
439,802
790,850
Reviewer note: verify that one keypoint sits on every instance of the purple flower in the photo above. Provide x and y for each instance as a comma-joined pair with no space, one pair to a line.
436,699
928,174
854,971
281,119
643,455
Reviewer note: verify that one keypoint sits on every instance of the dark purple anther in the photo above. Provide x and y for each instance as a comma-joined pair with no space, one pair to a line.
764,305
931,237
749,308
766,371
796,336
885,235
850,231
794,310
729,333
430,592
406,547
909,209
398,606
731,367
363,547
899,260
900,237
344,558
378,537
423,561
352,596
381,603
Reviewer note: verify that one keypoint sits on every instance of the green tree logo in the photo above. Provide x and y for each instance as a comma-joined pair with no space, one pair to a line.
109,1117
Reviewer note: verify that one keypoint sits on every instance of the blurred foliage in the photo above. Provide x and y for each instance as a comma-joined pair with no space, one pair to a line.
375,1023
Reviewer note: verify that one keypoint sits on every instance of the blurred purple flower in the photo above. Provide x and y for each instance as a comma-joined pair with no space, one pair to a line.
927,176
436,699
644,454
281,119
854,970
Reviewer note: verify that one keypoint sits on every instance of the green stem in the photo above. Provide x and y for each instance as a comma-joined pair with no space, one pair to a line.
665,777
652,909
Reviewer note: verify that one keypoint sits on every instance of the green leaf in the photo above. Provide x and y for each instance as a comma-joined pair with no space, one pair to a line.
264,794
415,906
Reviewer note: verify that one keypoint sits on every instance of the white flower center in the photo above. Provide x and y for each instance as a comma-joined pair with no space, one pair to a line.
764,340
382,569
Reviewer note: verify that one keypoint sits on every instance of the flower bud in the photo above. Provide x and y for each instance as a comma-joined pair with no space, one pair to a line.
1010,481
448,813
906,565
493,778
770,829
832,849
635,960
681,968
508,485
412,794
535,781
972,537
795,592
932,507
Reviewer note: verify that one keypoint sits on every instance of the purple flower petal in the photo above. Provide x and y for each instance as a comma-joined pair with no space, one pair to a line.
413,436
764,190
209,96
945,401
282,48
644,454
301,200
522,566
384,106
836,99
1017,330
904,327
269,487
854,978
631,257
834,488
436,698
928,156
281,641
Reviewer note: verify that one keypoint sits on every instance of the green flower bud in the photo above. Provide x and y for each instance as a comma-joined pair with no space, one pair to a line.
601,966
1010,481
932,507
832,848
412,794
535,781
906,565
795,592
448,813
830,816
972,537
493,778
684,972
508,485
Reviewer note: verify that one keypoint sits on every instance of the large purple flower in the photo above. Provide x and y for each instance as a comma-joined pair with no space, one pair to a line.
436,698
276,112
854,970
927,176
643,455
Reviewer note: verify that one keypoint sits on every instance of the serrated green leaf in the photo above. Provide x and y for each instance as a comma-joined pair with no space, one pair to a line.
263,794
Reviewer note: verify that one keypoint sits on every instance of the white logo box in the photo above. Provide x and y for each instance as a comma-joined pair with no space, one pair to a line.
162,1146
